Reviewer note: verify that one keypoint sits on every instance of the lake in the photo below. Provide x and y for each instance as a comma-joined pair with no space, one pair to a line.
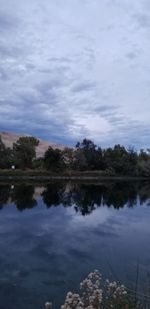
52,235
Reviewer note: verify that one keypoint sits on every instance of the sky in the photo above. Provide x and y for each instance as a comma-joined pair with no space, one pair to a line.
71,69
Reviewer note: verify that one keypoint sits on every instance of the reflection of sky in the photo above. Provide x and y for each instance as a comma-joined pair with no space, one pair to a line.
46,252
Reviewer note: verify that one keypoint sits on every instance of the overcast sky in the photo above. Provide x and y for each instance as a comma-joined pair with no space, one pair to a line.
71,69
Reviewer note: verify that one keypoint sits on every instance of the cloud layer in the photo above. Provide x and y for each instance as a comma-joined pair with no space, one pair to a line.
76,68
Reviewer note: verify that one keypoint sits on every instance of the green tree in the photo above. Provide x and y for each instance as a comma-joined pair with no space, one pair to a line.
25,151
79,161
6,156
132,161
53,159
87,149
68,157
118,159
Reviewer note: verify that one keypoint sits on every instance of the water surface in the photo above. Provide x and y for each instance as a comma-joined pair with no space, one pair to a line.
53,235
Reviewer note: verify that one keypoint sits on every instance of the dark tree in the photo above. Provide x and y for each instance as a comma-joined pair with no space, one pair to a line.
25,151
53,194
4,195
53,159
23,197
87,150
6,156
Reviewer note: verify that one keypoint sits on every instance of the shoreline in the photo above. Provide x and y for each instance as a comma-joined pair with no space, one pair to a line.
71,177
45,175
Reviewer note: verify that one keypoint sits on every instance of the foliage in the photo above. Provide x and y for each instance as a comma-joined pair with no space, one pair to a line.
6,156
80,162
99,294
53,159
143,166
123,162
68,157
114,161
24,151
38,163
85,157
87,154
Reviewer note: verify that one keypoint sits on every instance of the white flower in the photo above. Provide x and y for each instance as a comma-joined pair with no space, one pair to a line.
48,305
69,294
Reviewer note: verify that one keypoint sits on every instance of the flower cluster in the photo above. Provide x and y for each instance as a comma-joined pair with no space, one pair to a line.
99,294
73,301
91,291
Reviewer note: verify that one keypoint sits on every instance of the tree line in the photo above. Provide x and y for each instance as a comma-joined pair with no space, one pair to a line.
85,156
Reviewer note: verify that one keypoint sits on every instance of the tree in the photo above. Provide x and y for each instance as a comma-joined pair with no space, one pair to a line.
86,144
6,156
143,155
2,154
68,157
38,163
25,151
87,149
116,159
53,159
144,168
79,161
132,161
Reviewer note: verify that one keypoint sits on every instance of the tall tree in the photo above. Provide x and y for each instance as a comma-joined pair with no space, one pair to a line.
25,151
53,159
5,155
87,149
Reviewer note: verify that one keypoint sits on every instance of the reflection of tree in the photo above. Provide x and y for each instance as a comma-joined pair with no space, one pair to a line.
144,193
87,198
84,197
23,197
4,195
53,194
120,194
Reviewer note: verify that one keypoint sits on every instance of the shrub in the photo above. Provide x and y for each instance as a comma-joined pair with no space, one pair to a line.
98,294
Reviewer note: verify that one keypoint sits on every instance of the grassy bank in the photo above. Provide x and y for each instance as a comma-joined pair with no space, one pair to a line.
59,174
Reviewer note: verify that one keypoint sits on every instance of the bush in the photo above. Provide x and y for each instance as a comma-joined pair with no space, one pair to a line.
110,172
98,294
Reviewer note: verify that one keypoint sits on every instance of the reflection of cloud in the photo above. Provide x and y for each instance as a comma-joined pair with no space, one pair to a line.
64,79
97,217
56,248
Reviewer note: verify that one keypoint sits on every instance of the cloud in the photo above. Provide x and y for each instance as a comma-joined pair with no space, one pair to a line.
86,86
7,22
75,70
143,20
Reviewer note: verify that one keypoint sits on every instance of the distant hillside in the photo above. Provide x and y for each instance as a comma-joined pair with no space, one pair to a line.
9,138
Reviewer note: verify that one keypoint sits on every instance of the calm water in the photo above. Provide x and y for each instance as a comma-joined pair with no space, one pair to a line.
52,236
